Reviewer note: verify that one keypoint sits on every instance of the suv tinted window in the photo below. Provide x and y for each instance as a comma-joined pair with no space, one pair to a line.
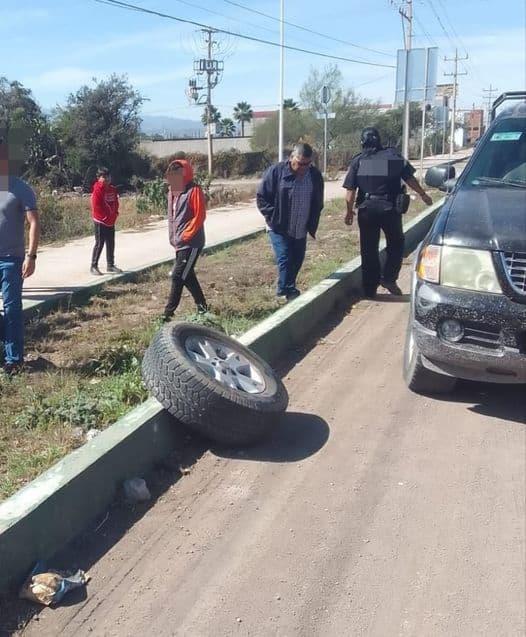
502,157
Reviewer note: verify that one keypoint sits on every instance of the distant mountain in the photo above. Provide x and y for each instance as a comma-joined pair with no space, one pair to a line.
170,126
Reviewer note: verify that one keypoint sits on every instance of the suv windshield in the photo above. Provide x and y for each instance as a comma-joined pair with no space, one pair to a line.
502,159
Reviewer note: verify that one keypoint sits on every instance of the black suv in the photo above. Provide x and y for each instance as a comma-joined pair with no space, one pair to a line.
468,300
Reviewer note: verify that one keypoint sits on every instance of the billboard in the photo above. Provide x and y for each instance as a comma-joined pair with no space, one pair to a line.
416,73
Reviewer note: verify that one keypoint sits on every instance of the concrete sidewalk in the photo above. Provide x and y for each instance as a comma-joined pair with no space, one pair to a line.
65,269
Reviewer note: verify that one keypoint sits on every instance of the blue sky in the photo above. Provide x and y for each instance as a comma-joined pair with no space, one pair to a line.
55,46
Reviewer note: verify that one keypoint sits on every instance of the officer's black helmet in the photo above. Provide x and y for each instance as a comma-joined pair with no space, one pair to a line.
371,138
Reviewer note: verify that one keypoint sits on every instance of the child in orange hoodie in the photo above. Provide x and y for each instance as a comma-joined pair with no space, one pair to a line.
186,218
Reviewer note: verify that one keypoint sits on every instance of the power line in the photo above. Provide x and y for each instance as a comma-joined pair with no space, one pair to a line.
223,15
132,7
306,29
439,19
446,15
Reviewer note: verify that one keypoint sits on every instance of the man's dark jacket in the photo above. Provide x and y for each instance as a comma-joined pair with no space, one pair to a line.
275,193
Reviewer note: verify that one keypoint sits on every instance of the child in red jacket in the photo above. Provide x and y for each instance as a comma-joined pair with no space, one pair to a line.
104,210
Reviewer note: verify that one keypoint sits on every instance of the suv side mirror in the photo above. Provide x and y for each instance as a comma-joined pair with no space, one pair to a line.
437,176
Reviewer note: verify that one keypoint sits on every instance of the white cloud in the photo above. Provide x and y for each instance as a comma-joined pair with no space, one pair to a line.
10,19
67,78
142,80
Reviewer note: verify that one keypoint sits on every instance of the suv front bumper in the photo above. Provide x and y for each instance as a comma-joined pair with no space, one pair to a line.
493,348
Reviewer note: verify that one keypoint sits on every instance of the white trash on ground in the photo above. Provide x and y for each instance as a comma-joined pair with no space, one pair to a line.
135,490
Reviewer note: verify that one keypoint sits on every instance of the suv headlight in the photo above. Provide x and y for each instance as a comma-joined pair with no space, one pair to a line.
459,268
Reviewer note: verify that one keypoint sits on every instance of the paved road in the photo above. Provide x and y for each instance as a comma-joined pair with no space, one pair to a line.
374,512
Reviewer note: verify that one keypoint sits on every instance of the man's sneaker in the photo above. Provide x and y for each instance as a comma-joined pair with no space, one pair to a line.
113,269
95,271
293,295
370,294
203,309
392,288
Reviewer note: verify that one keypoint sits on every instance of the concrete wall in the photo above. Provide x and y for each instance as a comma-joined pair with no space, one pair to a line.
198,145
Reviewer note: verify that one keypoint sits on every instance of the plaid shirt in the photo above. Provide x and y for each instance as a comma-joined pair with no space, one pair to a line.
300,204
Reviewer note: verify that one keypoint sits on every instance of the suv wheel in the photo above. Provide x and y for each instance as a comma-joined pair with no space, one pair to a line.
417,377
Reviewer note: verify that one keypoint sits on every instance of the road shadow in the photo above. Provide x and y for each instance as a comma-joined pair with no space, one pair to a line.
389,298
506,402
297,436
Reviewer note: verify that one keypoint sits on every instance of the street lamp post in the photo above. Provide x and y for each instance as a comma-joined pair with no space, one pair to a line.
281,78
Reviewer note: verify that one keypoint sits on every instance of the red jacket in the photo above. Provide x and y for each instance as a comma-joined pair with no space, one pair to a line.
104,203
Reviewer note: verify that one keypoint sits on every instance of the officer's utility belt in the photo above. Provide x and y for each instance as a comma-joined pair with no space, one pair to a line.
386,203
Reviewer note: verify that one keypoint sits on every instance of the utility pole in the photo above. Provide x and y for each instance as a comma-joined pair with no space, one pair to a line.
489,93
213,69
208,35
281,78
407,14
455,75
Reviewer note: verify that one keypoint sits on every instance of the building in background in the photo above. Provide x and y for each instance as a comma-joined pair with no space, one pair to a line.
473,125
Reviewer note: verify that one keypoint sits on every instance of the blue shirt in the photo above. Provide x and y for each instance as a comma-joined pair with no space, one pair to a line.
16,198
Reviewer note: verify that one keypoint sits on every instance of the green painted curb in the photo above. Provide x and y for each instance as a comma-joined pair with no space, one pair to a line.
50,511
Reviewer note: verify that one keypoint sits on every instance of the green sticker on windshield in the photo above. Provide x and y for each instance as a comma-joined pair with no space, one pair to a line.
506,137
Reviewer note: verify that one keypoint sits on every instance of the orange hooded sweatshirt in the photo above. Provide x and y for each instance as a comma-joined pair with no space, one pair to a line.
187,212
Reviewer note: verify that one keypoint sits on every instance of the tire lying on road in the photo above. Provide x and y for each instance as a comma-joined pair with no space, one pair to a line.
417,377
213,384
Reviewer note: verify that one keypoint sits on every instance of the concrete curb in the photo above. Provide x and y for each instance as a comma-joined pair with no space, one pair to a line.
45,515
81,294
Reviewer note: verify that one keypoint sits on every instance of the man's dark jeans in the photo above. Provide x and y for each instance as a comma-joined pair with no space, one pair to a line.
12,319
290,254
371,224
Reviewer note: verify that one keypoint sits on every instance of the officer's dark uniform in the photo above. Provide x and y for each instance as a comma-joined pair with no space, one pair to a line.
378,175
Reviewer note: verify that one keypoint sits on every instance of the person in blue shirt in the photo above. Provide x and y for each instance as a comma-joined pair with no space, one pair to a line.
17,205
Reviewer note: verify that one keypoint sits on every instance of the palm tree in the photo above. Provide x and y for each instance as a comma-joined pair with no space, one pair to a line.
290,105
243,113
215,116
227,127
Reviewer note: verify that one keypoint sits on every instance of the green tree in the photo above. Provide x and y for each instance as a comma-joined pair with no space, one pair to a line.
290,105
297,126
310,93
243,114
227,128
390,125
28,129
100,126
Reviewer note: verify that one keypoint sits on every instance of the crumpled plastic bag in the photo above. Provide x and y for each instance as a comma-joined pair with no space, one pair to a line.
49,587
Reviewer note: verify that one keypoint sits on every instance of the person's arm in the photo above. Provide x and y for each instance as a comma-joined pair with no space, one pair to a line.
33,220
197,203
350,198
351,185
265,195
412,182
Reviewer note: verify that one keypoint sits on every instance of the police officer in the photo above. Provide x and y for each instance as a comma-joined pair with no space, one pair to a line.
374,184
